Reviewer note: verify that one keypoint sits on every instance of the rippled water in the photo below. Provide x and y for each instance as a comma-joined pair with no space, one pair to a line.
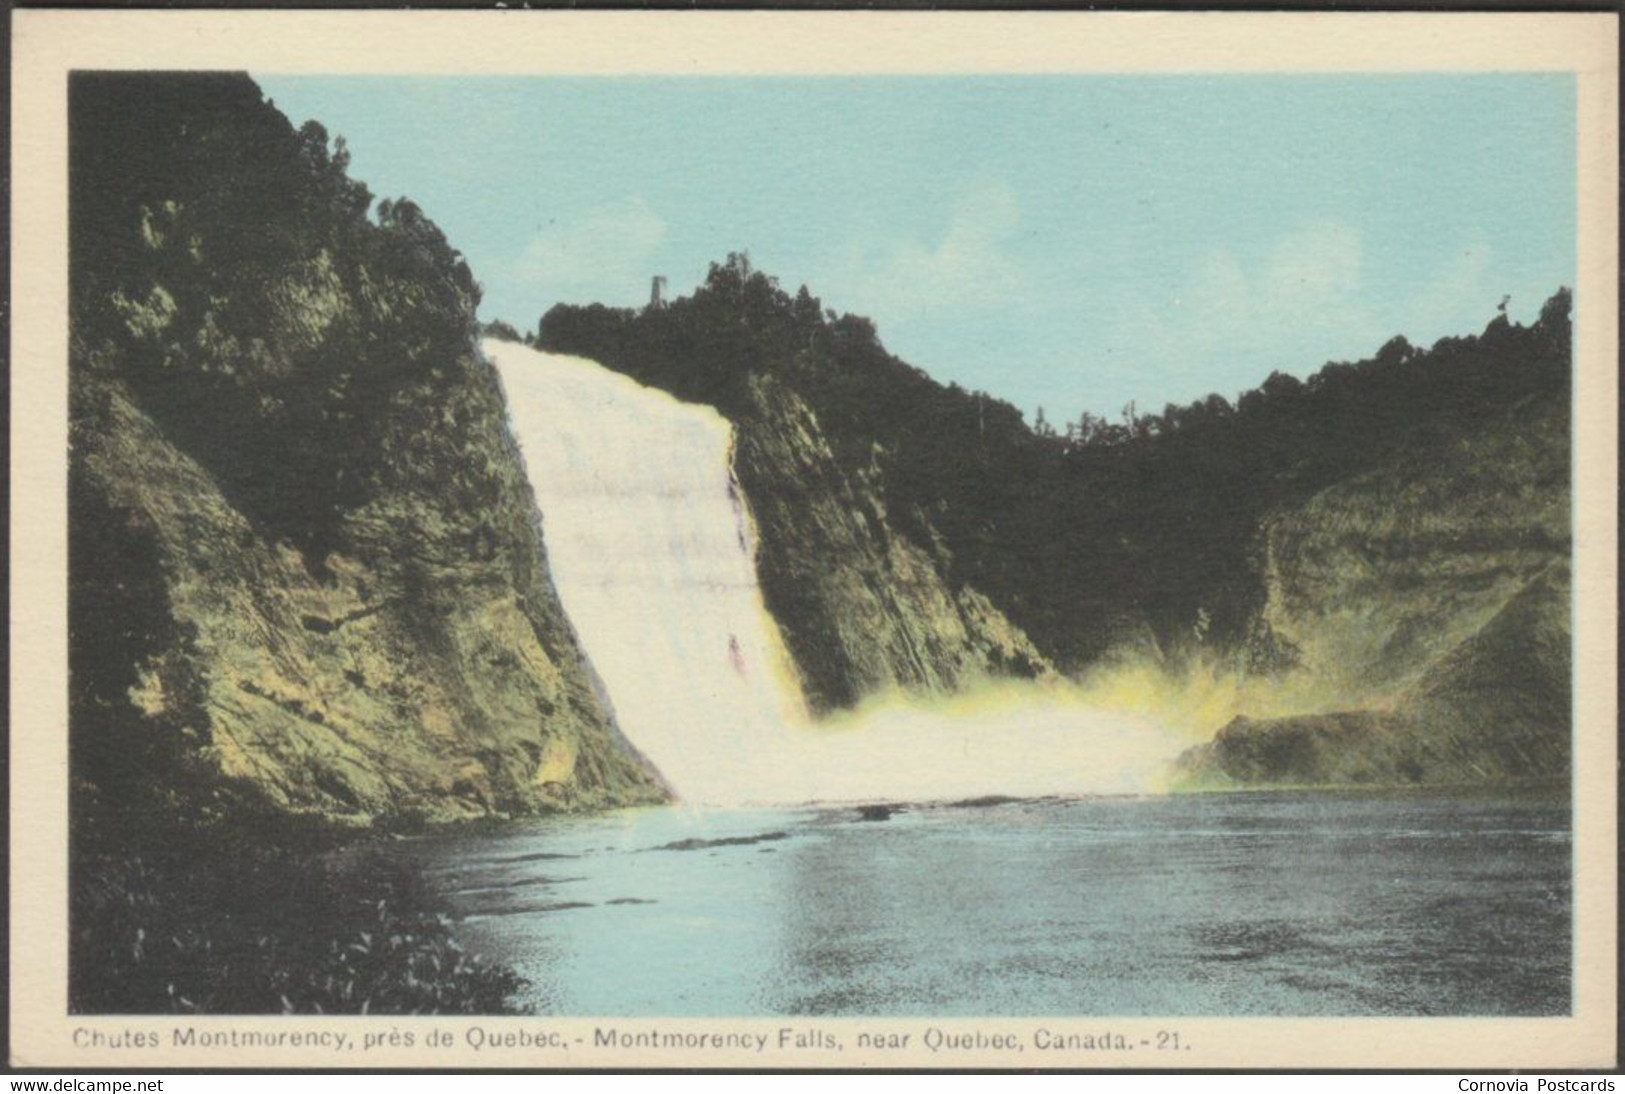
1267,903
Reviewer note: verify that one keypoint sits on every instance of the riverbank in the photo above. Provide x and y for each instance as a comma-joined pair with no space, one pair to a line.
300,918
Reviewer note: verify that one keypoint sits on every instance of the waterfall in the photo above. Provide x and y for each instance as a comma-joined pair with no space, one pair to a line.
652,550
653,553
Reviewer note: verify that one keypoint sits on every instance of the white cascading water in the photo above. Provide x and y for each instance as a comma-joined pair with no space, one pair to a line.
652,550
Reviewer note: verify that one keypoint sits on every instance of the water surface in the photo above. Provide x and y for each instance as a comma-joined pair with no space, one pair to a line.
1279,904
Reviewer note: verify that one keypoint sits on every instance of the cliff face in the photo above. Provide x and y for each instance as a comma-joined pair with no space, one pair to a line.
1495,709
863,608
306,565
1333,544
864,587
1430,601
1371,581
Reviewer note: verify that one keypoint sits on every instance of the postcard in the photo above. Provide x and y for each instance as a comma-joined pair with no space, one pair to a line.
842,540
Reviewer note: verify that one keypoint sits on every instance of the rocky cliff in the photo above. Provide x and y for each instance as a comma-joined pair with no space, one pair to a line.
864,587
864,608
1355,545
1370,582
1429,601
306,567
1495,709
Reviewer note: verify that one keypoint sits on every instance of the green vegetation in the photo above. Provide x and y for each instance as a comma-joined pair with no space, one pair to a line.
496,328
229,246
1149,525
269,930
305,556
306,573
309,601
844,453
1356,531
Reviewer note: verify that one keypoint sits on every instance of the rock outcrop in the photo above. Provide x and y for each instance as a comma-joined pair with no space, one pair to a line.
306,565
1430,600
863,608
865,590
1358,544
1370,582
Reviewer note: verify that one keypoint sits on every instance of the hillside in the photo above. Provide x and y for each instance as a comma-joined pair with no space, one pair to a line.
850,564
1430,601
310,604
1344,536
306,567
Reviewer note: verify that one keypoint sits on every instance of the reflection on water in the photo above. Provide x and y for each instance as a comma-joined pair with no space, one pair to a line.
1271,904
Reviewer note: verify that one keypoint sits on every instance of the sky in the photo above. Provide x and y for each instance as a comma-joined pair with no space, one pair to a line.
1067,242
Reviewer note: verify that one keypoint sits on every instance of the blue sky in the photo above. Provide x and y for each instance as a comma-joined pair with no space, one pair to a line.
1066,242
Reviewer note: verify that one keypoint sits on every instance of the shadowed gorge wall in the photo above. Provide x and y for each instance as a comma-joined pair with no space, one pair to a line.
865,607
306,564
1431,598
863,587
1345,535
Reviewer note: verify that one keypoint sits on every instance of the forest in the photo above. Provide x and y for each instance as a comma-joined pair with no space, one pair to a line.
228,200
1086,533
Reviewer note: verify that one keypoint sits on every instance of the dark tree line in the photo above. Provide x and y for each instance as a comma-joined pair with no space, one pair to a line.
1149,521
231,281
222,253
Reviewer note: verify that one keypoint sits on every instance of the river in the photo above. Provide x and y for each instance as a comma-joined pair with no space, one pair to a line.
1057,885
1219,904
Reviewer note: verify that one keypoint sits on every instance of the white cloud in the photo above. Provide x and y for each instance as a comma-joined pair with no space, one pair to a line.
1312,269
1298,304
967,265
1309,276
1218,291
1459,285
605,255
